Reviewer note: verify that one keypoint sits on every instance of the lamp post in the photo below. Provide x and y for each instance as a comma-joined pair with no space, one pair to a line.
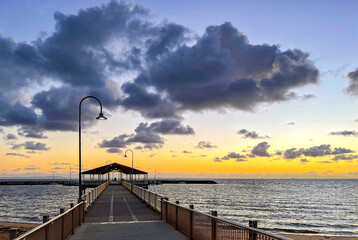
100,117
107,168
125,155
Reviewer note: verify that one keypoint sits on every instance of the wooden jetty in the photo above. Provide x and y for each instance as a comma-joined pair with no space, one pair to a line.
132,212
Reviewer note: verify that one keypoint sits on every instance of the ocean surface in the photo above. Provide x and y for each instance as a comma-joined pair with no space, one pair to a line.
299,206
28,203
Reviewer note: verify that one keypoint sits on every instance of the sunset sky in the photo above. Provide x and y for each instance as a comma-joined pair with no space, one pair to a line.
211,89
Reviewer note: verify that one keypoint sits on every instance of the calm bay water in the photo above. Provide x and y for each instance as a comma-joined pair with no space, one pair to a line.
303,206
320,206
28,203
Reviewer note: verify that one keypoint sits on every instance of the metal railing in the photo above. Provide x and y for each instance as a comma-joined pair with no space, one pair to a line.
198,225
92,195
60,227
151,198
64,225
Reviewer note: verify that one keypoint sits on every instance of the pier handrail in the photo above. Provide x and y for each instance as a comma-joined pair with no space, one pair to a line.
65,224
62,225
92,195
151,198
198,225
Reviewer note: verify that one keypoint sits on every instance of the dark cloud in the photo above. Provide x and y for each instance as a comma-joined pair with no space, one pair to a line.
31,132
85,51
232,155
261,149
138,148
10,136
58,168
353,83
290,123
186,152
304,160
324,162
344,133
345,157
113,150
152,146
308,96
1,130
222,69
31,145
292,153
205,144
82,54
17,154
250,134
250,155
144,134
170,127
117,142
241,160
315,151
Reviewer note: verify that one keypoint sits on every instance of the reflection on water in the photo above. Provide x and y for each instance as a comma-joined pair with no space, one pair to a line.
323,206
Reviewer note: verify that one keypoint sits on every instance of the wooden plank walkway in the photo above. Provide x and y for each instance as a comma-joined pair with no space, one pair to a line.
118,214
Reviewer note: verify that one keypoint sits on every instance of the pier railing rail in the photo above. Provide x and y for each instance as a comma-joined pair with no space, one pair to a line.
60,227
93,194
64,225
198,225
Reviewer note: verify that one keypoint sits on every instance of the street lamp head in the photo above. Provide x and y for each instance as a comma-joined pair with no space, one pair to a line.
101,116
125,155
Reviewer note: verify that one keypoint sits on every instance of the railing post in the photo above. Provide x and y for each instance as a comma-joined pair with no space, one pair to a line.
72,220
83,212
213,225
166,208
13,233
62,210
45,219
85,206
155,201
176,214
191,221
149,198
79,215
252,235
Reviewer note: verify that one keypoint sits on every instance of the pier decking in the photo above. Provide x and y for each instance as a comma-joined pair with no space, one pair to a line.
118,214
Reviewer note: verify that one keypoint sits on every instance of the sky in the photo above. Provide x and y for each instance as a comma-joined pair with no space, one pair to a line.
204,89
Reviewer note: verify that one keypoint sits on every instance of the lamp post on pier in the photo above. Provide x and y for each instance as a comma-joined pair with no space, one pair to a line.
100,117
125,155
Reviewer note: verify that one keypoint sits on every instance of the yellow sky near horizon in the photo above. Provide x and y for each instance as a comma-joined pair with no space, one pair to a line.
171,161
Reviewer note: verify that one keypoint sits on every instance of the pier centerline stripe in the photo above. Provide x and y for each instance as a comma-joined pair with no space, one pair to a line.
130,210
111,210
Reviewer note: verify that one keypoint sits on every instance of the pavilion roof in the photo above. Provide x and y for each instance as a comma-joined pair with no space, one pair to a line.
113,167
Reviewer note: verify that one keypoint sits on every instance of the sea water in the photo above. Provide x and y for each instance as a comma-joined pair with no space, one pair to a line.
28,203
301,206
